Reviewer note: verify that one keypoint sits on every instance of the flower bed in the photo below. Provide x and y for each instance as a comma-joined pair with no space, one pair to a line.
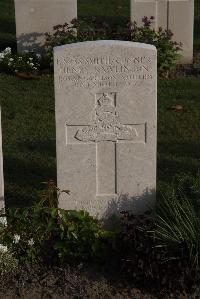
27,64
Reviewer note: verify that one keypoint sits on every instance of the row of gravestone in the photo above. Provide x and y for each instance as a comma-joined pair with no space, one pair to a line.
106,110
35,17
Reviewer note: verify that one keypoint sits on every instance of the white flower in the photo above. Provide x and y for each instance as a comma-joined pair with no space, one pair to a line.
11,59
31,64
30,58
1,55
38,56
31,242
20,58
3,248
35,68
3,221
7,50
16,239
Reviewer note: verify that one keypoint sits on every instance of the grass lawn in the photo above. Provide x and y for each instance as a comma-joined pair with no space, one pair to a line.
28,136
29,125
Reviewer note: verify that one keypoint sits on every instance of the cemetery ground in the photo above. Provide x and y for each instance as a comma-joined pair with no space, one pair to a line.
28,125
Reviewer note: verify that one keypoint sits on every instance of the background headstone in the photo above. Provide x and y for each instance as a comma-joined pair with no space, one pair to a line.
106,125
36,17
176,15
2,203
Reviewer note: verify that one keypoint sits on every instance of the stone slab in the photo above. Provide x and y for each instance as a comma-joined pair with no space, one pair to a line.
106,113
176,15
36,17
2,203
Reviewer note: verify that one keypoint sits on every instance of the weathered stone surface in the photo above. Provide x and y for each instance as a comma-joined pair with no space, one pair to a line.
106,125
176,15
36,17
2,203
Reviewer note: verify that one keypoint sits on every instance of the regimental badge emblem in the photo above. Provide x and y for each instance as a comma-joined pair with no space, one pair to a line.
106,123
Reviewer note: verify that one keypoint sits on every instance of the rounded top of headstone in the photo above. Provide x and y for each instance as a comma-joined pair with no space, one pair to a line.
105,43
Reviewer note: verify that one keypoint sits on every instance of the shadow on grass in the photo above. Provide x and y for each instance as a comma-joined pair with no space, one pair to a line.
176,158
180,149
8,40
48,147
24,176
7,25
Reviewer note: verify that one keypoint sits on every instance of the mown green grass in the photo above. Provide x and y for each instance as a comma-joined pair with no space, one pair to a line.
28,116
28,136
113,11
178,132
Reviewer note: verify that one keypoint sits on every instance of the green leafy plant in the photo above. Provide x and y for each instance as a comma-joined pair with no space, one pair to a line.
179,228
14,63
30,229
82,237
44,232
178,221
188,185
8,262
78,31
167,49
92,29
149,252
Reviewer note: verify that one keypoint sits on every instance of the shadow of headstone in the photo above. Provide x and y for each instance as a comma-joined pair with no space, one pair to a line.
31,42
137,205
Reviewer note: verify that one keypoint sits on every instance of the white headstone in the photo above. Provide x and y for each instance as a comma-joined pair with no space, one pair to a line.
175,15
106,125
36,17
2,203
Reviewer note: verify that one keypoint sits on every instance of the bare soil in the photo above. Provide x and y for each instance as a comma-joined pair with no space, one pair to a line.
83,281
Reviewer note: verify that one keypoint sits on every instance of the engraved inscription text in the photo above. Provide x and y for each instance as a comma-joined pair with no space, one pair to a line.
103,72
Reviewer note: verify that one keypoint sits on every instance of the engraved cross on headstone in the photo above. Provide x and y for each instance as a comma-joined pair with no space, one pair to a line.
106,132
